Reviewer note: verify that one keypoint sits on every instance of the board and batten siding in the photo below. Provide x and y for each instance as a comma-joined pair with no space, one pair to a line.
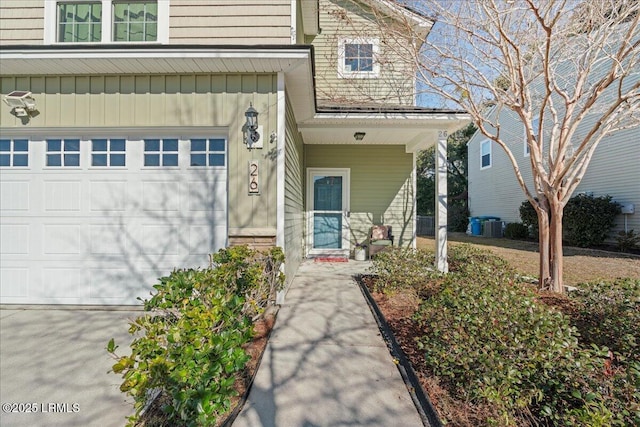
180,101
614,170
294,195
21,22
229,22
339,20
381,186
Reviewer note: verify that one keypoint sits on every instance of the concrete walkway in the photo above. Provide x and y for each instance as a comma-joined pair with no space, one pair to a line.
326,363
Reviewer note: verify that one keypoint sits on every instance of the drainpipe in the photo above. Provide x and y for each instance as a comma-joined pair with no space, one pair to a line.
441,202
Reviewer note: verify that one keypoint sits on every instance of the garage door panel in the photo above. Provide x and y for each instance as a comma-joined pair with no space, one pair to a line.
62,239
14,283
108,239
205,239
161,196
61,283
14,195
14,239
62,196
109,196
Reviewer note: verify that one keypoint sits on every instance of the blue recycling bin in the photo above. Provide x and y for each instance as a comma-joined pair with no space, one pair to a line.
476,226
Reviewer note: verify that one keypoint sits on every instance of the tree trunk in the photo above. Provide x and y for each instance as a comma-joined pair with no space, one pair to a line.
544,281
555,244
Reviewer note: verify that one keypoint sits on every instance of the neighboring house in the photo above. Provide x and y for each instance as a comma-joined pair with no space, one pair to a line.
494,190
137,158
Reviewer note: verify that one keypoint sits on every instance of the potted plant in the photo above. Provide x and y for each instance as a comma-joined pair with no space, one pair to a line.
360,252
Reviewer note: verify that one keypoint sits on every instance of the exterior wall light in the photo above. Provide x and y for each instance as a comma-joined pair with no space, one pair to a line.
21,103
250,128
359,136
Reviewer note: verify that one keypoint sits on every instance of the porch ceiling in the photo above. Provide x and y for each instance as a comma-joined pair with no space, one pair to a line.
415,130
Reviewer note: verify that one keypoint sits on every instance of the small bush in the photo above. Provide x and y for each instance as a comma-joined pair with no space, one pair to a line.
494,343
588,219
516,231
627,240
608,315
189,344
403,268
529,218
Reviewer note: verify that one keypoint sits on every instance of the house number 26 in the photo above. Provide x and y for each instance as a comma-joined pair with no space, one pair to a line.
254,175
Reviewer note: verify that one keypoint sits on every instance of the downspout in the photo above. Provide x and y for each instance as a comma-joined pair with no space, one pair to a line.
414,183
441,202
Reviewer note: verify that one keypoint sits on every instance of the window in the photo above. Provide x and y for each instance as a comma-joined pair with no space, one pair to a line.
63,152
161,152
485,154
80,22
108,152
102,21
207,152
135,21
357,58
14,152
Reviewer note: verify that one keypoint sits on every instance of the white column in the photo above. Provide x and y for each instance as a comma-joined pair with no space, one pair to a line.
280,166
441,202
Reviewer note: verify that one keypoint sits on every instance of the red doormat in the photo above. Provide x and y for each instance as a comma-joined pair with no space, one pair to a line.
331,259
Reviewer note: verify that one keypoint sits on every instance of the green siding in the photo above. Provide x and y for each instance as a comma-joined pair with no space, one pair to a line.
381,185
294,195
180,101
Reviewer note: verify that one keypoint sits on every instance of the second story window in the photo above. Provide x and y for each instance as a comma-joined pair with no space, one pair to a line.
80,22
104,21
135,21
357,58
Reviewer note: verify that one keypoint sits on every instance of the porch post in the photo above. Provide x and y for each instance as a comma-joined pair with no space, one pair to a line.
441,202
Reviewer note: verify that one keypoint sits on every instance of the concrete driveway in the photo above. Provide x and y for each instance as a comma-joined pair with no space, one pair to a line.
53,363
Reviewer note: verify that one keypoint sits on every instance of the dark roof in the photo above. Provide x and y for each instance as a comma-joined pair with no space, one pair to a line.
383,108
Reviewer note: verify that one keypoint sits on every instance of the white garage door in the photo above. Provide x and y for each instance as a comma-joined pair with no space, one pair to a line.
98,220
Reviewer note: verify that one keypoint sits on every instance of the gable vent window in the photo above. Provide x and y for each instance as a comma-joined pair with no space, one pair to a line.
357,58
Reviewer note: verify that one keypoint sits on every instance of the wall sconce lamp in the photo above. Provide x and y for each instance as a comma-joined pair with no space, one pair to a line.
359,136
251,134
21,103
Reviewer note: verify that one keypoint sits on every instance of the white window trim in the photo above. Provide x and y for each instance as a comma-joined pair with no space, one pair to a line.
486,141
51,22
344,74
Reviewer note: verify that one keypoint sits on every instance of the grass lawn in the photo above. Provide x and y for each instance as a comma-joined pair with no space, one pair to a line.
580,265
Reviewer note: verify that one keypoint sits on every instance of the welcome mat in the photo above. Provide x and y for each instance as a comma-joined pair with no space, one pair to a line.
331,259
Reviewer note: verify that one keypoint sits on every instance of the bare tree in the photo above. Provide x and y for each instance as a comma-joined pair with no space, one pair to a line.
568,71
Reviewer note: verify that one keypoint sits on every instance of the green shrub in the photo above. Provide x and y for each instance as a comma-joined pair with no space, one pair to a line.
588,219
493,342
189,344
468,262
608,315
516,231
457,217
403,268
529,218
627,240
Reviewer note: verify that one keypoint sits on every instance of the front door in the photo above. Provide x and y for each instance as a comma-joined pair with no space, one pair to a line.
328,211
